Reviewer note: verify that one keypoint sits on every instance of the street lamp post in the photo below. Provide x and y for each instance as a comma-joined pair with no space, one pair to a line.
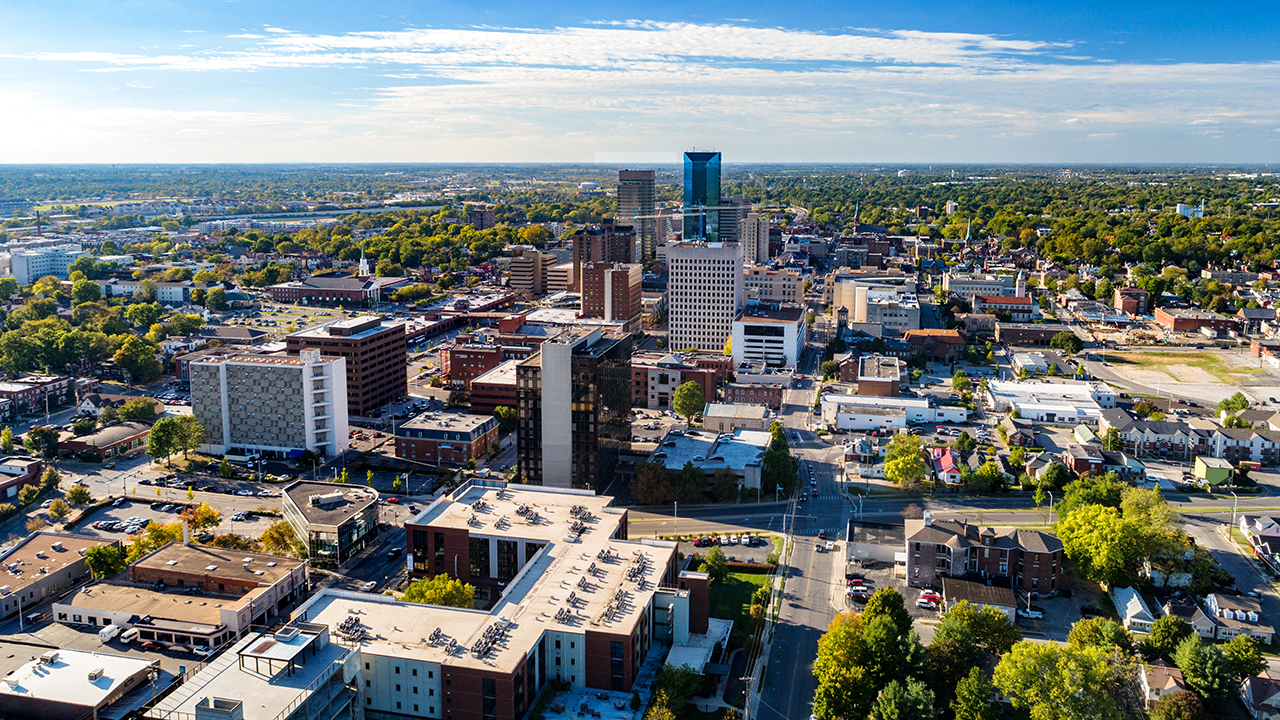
1234,499
675,524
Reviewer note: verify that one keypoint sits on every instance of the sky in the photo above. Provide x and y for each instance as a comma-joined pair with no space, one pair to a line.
124,81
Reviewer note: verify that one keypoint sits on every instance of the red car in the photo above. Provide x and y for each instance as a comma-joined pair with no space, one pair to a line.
151,645
393,500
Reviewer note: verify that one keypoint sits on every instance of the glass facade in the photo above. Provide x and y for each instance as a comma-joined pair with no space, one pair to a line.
702,196
479,558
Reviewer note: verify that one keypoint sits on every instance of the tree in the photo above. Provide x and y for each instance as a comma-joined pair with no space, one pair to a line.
104,561
79,495
715,564
1244,658
83,427
138,359
506,418
945,665
6,440
59,509
688,400
190,434
202,517
36,524
1091,490
164,438
1167,633
441,590
1101,542
689,484
888,602
986,628
50,480
28,494
1205,668
41,440
907,470
143,315
279,538
142,408
960,381
829,369
1057,683
184,324
1100,632
1111,440
844,688
155,536
1067,342
975,698
1178,705
47,285
965,442
216,299
652,484
987,478
911,700
226,469
724,486
1234,403
83,291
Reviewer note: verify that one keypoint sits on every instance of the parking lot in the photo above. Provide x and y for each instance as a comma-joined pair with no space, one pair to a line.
736,552
651,425
252,526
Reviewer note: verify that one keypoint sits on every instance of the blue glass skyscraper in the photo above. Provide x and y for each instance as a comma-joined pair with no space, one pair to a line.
702,196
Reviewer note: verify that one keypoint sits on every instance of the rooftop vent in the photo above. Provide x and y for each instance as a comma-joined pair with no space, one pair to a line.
96,673
50,657
172,562
40,554
286,633
248,560
211,568
57,547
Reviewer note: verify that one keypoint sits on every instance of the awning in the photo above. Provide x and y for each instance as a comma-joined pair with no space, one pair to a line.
295,454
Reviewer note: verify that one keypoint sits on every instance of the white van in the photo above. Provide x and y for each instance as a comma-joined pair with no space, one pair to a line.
108,632
129,635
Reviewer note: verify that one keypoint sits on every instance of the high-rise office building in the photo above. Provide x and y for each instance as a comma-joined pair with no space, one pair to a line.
702,196
374,348
733,213
636,208
612,291
529,272
573,405
704,293
607,242
753,235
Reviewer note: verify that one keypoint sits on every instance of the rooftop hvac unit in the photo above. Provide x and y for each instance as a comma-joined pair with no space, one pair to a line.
96,673
50,657
57,546
287,633
40,554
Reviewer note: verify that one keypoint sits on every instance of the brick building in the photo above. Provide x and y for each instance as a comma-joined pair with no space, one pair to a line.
1027,334
879,376
1187,320
1027,560
654,380
495,388
769,394
1131,300
1019,309
445,438
612,291
374,348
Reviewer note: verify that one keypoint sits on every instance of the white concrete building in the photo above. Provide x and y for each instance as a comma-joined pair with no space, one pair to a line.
967,285
271,404
1062,402
30,264
704,292
753,235
893,305
774,335
864,412
167,293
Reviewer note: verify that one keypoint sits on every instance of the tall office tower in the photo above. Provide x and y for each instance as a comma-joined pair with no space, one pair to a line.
733,212
704,292
612,291
702,196
636,208
753,235
374,348
273,404
606,242
529,272
573,406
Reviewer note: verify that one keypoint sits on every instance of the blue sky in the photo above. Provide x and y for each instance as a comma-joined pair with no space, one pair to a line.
413,80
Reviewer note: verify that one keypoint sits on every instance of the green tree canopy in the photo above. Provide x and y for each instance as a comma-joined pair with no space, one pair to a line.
688,400
1067,342
1057,683
652,484
985,628
441,590
105,561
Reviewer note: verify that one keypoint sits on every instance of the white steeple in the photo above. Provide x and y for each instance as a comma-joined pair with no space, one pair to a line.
364,264
1020,287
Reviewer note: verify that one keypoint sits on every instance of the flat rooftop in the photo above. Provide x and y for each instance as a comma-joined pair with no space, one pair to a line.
788,314
710,451
355,328
1038,392
262,568
867,401
504,374
489,508
141,601
455,422
65,677
878,367
263,697
21,564
736,411
333,510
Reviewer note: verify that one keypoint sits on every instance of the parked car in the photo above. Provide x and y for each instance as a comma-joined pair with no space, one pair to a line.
1033,614
369,586
151,645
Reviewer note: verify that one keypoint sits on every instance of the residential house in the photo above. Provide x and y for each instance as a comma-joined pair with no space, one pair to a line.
1018,432
1129,468
1238,615
1186,607
1084,459
946,466
1252,319
1029,560
1134,614
1159,679
1261,696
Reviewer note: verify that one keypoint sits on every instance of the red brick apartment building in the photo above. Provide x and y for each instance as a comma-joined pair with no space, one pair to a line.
1028,560
1131,300
445,438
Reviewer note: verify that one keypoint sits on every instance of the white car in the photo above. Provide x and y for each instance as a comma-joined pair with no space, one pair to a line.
1033,614
201,650
369,586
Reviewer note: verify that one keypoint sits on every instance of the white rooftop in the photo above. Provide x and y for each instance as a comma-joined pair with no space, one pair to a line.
66,678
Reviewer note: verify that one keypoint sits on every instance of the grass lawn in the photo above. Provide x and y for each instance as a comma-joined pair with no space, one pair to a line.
731,599
1207,362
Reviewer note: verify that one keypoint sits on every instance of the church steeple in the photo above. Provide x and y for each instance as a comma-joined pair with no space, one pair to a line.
364,264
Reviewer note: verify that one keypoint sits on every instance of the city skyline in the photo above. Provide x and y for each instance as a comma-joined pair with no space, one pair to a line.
626,83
